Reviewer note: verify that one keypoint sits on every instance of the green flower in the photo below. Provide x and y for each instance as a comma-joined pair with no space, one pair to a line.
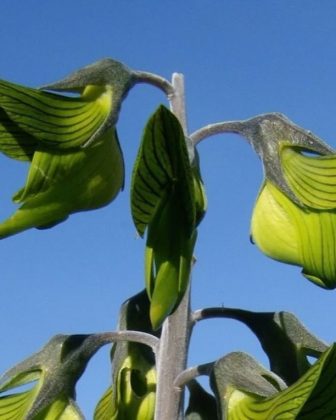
246,390
168,200
133,392
301,235
71,142
51,375
294,219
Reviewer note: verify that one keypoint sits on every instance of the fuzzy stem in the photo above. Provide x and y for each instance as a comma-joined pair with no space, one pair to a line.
236,127
177,100
191,373
218,312
171,357
128,335
154,80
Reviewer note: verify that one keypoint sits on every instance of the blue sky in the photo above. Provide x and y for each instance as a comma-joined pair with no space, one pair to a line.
240,58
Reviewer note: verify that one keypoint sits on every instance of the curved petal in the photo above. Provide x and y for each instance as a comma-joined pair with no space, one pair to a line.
55,121
61,184
312,178
105,407
246,392
303,237
15,142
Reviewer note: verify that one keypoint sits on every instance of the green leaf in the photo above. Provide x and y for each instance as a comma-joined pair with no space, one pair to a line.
200,195
246,390
163,199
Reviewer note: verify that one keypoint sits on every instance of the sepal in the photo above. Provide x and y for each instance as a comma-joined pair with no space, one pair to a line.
247,390
51,375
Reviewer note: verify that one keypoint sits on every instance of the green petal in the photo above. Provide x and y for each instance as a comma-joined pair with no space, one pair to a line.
56,367
61,184
15,142
272,225
312,178
311,397
303,237
104,409
16,406
62,409
135,392
56,121
134,375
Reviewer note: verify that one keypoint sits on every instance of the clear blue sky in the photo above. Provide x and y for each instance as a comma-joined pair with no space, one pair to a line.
239,58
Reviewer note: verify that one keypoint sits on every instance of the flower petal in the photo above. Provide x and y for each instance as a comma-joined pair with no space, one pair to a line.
56,121
303,237
312,178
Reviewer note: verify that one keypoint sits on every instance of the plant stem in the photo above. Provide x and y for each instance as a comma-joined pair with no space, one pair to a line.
171,361
217,312
191,373
128,335
154,80
171,357
177,100
236,127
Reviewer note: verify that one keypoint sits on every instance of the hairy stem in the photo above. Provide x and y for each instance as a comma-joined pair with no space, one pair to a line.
177,101
171,358
171,361
191,373
236,127
154,80
219,312
134,336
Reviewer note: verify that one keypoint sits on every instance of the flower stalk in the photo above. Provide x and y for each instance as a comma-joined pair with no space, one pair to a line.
173,348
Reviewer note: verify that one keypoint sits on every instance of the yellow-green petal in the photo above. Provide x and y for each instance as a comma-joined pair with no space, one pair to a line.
104,409
247,392
61,184
312,178
294,235
16,406
54,121
272,226
132,396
